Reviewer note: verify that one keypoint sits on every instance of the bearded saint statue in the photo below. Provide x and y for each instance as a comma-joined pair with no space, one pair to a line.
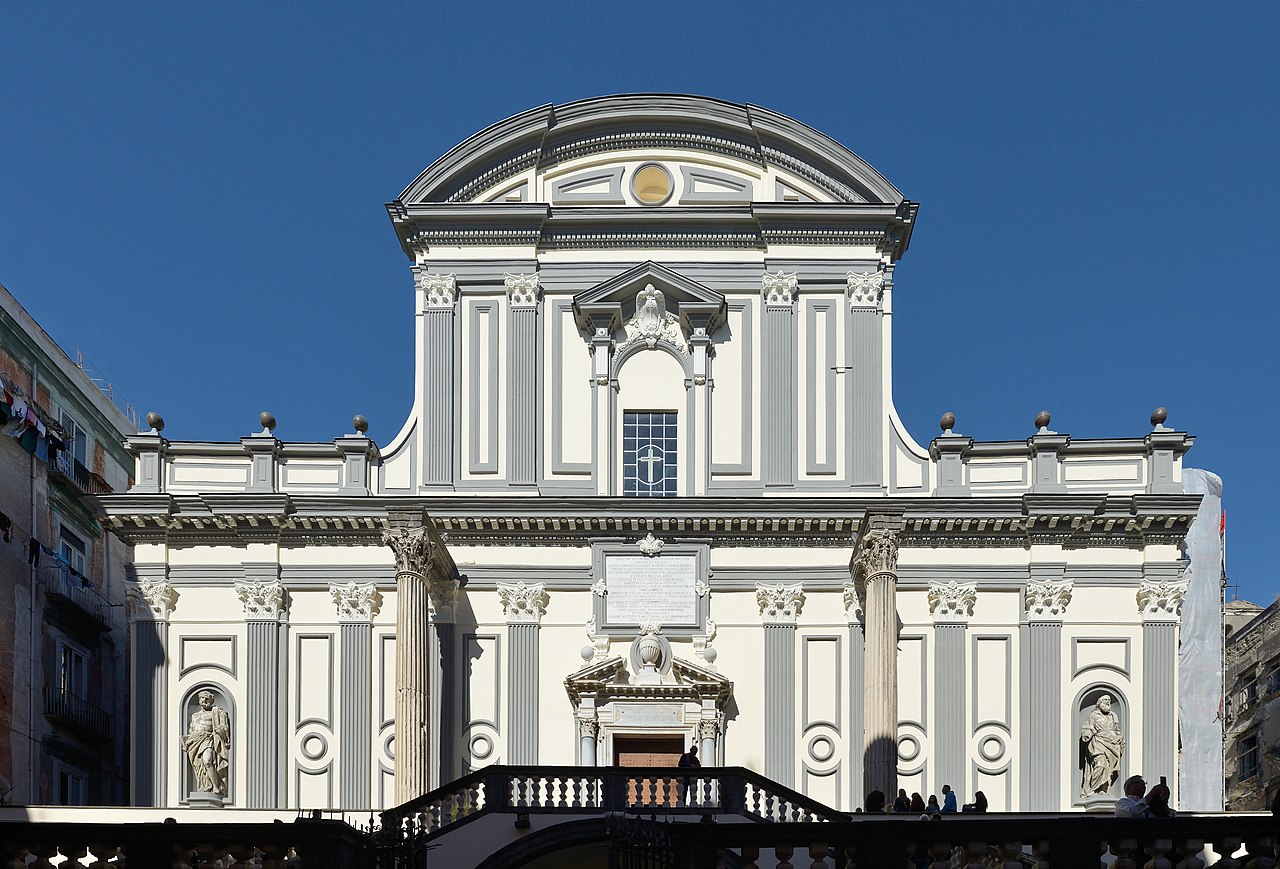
1103,748
208,745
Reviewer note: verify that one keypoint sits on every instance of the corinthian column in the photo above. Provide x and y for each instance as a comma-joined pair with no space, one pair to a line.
423,568
875,575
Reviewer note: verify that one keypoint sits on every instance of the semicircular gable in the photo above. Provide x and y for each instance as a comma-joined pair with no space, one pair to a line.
504,161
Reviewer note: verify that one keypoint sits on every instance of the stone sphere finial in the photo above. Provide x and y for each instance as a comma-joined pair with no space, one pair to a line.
1042,420
361,424
1158,416
948,422
156,421
268,421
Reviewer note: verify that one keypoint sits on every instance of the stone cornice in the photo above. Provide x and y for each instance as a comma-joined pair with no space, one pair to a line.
1094,520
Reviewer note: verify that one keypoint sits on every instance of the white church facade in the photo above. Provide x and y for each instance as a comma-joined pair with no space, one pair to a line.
653,492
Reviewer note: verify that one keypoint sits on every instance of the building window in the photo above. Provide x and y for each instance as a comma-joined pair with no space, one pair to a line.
649,454
73,671
78,443
1273,677
1249,757
72,549
71,786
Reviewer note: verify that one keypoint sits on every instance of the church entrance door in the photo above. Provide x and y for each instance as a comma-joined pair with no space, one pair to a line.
649,751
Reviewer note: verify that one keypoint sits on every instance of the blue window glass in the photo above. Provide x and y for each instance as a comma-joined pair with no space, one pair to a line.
648,455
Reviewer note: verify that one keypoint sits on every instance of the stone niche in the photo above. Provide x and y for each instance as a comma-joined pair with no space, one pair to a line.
1086,701
191,794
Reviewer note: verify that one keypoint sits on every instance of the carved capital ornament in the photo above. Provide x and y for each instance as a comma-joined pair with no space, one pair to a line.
1048,598
523,602
522,290
438,291
1161,600
864,289
952,601
157,597
412,548
356,602
877,553
262,600
780,289
779,603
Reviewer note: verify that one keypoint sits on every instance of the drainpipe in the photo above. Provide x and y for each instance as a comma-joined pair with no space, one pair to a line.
31,665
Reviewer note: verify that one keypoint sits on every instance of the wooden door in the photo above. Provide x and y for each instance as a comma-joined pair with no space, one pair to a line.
649,751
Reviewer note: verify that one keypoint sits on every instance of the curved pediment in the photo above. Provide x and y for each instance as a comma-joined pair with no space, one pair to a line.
646,150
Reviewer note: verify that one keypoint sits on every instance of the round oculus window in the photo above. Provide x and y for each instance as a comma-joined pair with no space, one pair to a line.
652,184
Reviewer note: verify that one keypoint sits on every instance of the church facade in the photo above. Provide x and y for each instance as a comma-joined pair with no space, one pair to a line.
653,493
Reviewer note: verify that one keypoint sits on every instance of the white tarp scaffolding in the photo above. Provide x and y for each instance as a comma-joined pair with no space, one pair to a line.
1200,783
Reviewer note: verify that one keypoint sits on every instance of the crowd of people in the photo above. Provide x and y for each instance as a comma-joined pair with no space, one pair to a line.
902,804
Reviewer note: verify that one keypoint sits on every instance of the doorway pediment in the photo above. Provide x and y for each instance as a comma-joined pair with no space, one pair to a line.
607,304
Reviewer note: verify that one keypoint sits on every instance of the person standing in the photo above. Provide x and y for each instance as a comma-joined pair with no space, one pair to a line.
688,760
1134,805
901,804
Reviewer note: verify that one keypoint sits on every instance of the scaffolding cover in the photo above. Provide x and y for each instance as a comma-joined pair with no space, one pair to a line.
1200,782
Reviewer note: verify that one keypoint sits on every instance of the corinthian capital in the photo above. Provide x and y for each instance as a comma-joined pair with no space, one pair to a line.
522,290
357,603
412,548
1161,600
439,291
523,602
156,598
780,604
263,601
877,553
952,601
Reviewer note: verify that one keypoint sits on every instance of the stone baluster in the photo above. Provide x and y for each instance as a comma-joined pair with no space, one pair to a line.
941,852
1011,856
875,575
1041,852
784,854
1262,849
1125,851
424,570
1227,846
1192,854
1159,850
749,855
976,854
818,854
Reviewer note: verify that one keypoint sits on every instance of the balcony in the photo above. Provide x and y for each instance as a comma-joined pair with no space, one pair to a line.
77,714
75,599
68,471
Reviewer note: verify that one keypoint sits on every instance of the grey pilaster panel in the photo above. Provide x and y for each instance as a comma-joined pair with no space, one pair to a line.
354,717
778,391
949,703
821,375
150,700
443,708
857,667
438,400
1042,754
864,426
1159,675
264,719
522,693
522,380
780,703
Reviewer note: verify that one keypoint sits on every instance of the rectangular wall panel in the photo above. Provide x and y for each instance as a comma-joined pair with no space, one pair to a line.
992,680
483,387
821,410
315,679
733,399
864,426
570,422
780,703
822,681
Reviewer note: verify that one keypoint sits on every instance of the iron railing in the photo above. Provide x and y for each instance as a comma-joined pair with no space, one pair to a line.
67,467
62,587
87,719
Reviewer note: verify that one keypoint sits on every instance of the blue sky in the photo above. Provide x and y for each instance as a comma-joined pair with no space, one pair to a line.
193,195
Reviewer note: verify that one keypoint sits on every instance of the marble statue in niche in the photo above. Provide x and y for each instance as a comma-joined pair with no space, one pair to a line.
1103,747
207,745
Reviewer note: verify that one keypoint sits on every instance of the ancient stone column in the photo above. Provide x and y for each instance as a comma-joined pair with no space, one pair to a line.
423,568
875,574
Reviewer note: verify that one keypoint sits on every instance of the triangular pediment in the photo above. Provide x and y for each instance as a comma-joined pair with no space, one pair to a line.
608,680
613,299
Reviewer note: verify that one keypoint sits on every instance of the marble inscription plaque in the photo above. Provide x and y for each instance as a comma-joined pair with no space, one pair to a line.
649,716
642,589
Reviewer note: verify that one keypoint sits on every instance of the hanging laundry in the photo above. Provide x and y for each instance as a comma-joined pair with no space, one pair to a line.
33,552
